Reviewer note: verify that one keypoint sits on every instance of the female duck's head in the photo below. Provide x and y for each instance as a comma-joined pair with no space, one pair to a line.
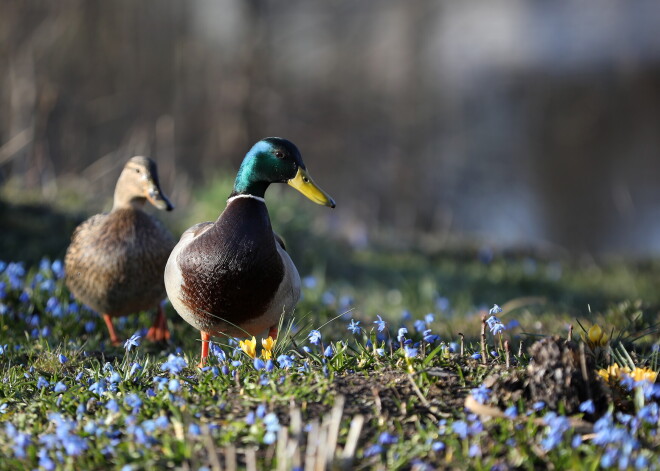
276,160
138,183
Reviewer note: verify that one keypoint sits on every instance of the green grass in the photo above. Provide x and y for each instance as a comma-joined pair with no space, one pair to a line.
368,406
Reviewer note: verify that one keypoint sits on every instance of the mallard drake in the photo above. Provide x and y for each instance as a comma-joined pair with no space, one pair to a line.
115,261
233,277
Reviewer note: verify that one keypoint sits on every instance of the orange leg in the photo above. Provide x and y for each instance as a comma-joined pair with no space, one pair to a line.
159,331
111,329
206,337
272,332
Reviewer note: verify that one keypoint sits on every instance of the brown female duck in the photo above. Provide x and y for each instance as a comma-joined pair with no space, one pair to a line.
116,260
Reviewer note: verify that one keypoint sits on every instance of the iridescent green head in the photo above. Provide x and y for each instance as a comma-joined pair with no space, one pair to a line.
276,160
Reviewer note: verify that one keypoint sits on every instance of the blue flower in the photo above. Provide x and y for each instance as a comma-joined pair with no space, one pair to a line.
62,359
218,352
410,352
174,385
401,335
194,430
537,406
588,407
429,318
114,378
99,387
285,361
250,418
511,412
309,282
495,309
271,422
60,387
380,323
354,327
429,337
437,446
112,406
133,401
495,325
42,383
261,411
460,428
270,365
45,461
474,450
576,441
3,408
133,341
419,325
481,394
387,439
174,364
314,337
329,352
259,364
476,356
557,426
373,450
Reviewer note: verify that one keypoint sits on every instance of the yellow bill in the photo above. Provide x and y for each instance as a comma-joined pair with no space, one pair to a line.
304,184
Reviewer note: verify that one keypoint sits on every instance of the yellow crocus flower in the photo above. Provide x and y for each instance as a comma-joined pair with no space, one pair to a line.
595,337
249,347
268,343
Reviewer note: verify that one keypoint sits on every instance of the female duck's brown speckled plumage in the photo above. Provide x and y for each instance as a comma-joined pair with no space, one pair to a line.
116,260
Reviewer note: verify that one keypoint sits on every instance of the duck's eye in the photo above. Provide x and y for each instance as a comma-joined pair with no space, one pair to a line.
137,170
279,155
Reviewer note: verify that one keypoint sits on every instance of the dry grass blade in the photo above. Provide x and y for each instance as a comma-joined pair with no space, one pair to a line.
348,455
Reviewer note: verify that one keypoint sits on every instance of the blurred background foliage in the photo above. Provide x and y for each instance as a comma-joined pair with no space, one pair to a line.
452,134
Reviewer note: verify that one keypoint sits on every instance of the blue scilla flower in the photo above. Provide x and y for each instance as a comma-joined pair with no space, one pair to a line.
481,394
60,387
47,285
354,327
429,337
419,325
373,450
133,341
174,364
42,383
328,352
174,385
476,356
460,428
58,268
112,405
270,365
511,412
386,438
401,335
429,318
588,407
380,323
218,352
309,282
99,387
258,364
314,337
410,352
495,309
